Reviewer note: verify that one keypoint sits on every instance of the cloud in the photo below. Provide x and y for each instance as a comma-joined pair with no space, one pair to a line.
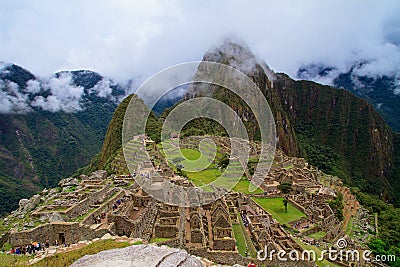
64,95
57,93
102,88
11,99
33,87
130,39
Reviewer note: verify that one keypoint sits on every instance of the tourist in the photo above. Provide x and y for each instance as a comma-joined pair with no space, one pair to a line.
252,264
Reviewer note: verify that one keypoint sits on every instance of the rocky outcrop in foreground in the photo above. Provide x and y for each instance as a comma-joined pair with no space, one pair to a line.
138,256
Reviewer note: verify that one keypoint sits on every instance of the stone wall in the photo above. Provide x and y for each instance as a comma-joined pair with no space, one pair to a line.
72,232
297,205
83,206
103,208
166,231
224,244
335,233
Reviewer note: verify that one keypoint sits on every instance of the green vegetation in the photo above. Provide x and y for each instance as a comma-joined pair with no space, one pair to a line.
240,241
277,210
203,177
387,242
63,259
66,259
243,187
285,203
7,260
83,216
159,239
71,189
285,188
55,143
337,206
318,235
349,229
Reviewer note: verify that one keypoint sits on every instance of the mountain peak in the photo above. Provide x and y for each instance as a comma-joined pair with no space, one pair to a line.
237,54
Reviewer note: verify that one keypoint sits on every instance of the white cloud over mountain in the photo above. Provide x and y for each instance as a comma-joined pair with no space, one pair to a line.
122,39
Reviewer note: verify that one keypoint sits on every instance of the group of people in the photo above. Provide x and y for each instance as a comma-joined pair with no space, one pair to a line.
117,203
30,248
97,220
244,218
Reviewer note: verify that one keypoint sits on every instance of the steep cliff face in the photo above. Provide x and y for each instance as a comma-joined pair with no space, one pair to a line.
113,139
339,132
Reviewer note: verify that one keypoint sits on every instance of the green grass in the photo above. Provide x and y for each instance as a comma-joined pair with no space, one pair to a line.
8,260
159,239
290,166
71,189
276,208
83,216
62,259
210,174
349,228
318,235
243,187
243,241
240,241
66,259
204,177
191,154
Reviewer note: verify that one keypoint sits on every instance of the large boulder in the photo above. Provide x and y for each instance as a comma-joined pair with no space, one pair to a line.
98,175
54,217
139,256
69,182
26,205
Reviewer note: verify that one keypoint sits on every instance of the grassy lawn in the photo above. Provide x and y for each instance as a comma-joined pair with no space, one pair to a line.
191,160
7,260
210,174
191,154
243,187
276,208
318,235
159,239
240,242
318,252
243,241
204,177
62,259
66,259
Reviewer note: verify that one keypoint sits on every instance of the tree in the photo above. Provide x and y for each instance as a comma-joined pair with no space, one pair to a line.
224,161
285,203
285,188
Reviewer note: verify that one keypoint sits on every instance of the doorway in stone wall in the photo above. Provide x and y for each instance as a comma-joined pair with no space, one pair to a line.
61,238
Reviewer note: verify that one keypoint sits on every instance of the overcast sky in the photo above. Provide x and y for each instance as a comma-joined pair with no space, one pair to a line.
125,39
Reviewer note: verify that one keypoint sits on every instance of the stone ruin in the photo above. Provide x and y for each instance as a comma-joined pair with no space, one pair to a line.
88,207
